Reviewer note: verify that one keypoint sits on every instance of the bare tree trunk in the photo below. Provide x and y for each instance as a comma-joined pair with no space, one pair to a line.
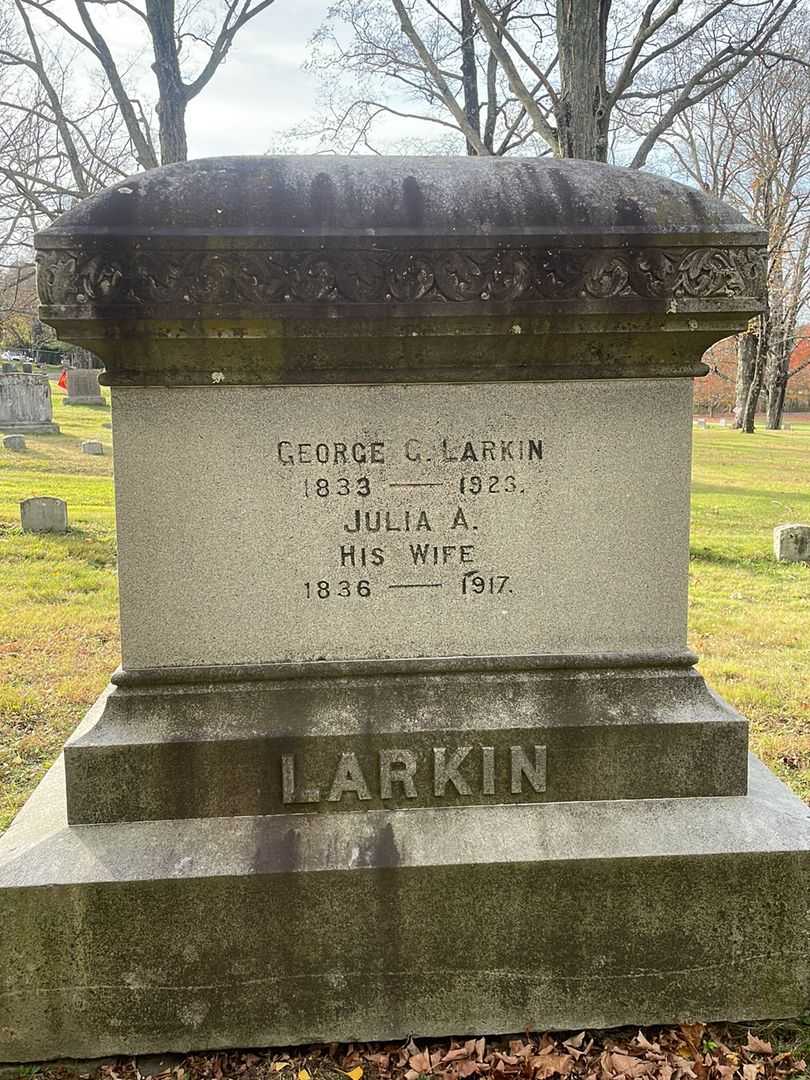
774,345
776,382
581,113
757,379
173,99
746,356
469,72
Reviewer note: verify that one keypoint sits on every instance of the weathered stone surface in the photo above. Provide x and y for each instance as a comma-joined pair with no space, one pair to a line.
14,442
791,543
157,936
82,387
402,741
25,404
308,270
92,446
545,535
43,513
461,606
27,367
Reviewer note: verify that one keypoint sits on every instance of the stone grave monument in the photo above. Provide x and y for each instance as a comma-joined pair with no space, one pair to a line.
82,387
26,407
791,543
14,442
407,738
43,513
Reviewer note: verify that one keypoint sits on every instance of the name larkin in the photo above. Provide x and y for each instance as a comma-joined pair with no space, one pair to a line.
425,775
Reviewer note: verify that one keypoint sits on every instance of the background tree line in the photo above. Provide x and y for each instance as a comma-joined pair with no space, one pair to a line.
715,92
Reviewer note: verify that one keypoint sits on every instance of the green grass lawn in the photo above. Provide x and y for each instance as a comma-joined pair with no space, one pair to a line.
750,616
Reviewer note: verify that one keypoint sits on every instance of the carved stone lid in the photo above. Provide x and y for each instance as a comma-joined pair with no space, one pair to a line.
290,241
225,235
432,197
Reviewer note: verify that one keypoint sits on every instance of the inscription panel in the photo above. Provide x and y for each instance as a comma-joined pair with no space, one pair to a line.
306,523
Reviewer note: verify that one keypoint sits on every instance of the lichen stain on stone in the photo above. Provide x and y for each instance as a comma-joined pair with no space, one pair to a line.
378,849
413,201
274,852
322,200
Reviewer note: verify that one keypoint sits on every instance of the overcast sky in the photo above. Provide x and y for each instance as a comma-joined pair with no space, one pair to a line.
259,91
261,88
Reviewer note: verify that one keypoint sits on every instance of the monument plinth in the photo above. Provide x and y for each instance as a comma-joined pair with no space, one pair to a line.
407,737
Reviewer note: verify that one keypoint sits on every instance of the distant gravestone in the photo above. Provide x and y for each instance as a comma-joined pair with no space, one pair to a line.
785,427
14,442
722,423
43,513
700,424
27,368
82,387
92,446
7,367
25,405
791,543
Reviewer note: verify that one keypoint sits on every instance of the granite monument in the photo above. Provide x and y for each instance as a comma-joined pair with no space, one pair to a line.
83,388
43,514
407,737
26,407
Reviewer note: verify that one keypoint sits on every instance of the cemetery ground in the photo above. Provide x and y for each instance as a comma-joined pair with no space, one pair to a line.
749,622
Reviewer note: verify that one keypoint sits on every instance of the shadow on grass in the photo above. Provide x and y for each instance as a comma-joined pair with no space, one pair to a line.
719,558
732,492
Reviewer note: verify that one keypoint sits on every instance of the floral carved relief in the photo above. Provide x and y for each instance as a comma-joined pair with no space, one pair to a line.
380,276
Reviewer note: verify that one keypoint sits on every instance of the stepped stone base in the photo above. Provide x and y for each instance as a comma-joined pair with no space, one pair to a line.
29,429
96,399
178,935
187,751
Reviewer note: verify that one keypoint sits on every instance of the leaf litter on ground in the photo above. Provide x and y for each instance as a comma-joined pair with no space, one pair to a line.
687,1052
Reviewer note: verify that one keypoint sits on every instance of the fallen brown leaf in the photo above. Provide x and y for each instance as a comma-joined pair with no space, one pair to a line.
757,1045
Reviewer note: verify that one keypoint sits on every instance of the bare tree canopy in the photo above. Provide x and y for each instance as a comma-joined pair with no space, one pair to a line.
188,43
600,79
750,144
75,117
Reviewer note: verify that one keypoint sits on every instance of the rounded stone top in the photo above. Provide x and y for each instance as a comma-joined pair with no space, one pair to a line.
394,196
323,259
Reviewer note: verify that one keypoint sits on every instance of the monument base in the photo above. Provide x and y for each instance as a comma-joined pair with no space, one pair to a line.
152,750
248,931
96,399
29,429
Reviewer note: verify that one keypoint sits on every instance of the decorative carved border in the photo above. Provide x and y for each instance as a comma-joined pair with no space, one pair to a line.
139,280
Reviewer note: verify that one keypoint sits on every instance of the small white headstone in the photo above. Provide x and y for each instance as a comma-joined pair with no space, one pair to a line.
92,446
700,424
14,442
43,513
791,543
721,423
